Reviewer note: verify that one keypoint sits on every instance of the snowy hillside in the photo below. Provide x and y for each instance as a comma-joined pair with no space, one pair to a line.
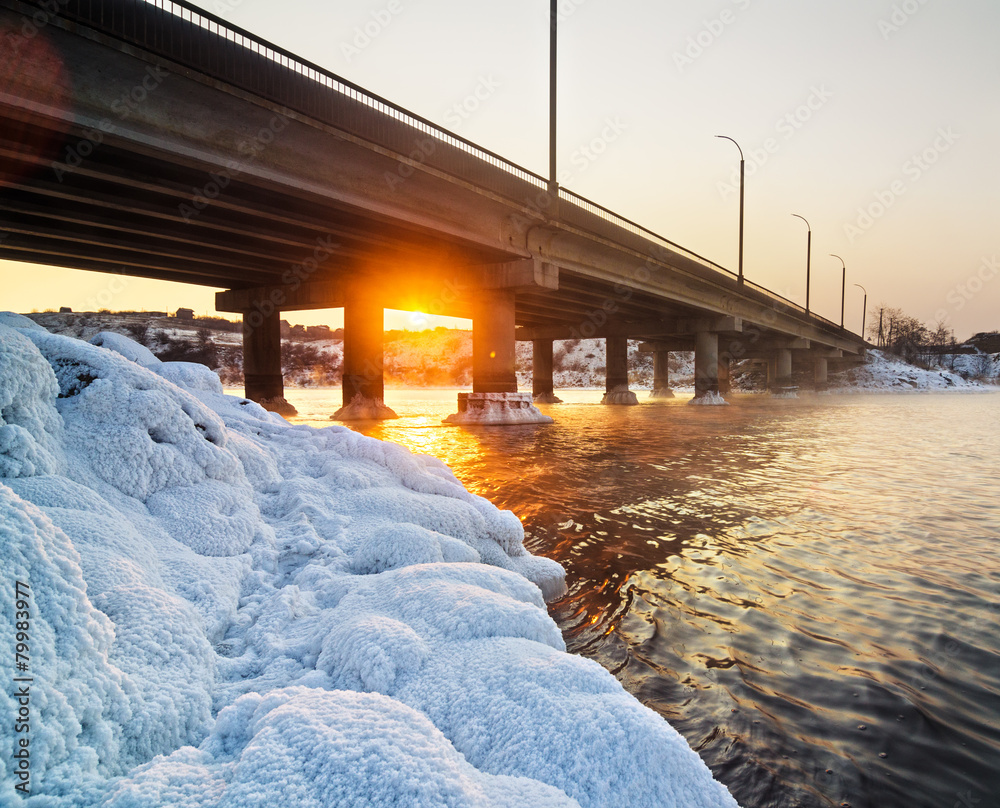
443,357
215,608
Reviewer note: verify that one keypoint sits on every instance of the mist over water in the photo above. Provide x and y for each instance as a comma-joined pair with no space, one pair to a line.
808,590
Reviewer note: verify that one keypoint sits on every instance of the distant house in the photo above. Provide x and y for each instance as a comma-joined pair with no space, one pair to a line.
65,310
185,314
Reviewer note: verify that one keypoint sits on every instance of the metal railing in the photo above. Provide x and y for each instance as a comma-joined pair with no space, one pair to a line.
196,39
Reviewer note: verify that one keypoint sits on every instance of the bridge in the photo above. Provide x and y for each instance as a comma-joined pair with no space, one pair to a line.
154,139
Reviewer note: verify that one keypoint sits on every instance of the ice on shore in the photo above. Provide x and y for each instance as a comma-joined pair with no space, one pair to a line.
227,610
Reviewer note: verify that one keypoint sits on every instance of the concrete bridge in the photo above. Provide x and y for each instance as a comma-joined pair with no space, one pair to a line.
161,142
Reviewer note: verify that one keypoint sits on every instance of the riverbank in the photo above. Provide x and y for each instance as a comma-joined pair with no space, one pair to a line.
227,608
443,357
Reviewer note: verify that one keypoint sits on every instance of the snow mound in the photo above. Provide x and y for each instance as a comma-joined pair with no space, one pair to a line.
330,749
29,424
130,349
190,376
229,610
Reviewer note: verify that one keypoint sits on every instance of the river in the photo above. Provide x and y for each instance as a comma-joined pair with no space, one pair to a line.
808,590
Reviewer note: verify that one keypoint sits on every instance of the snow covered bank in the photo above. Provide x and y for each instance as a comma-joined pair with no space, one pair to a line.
883,372
226,610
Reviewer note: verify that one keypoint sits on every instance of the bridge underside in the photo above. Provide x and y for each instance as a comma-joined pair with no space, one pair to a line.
118,160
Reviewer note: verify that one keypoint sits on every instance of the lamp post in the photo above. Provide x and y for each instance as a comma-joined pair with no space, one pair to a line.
742,174
553,23
809,242
864,309
843,287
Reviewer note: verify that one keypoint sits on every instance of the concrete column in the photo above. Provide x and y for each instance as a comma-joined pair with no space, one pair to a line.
706,364
784,366
616,372
821,373
493,342
772,369
541,372
661,375
363,382
725,385
262,378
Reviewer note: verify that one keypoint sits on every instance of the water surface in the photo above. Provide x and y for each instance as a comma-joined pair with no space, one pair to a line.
807,590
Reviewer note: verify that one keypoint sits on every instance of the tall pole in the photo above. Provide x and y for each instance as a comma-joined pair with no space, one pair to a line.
742,176
809,242
864,310
553,24
843,287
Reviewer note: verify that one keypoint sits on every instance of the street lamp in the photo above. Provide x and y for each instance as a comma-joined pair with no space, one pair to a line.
809,242
742,164
864,310
843,287
553,41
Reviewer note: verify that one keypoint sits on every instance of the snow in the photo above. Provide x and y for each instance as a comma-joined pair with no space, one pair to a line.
620,395
709,400
883,372
228,610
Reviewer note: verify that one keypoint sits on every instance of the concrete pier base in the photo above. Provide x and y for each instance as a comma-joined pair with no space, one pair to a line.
616,373
497,409
661,376
541,372
620,395
360,408
262,380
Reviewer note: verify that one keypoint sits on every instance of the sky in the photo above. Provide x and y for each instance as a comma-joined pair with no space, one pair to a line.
876,120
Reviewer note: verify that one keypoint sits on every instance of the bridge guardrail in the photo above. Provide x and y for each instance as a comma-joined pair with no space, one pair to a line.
188,35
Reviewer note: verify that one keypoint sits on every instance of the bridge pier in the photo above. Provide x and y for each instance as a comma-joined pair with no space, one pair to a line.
363,379
494,398
725,383
706,368
542,388
262,379
661,375
820,373
779,373
616,372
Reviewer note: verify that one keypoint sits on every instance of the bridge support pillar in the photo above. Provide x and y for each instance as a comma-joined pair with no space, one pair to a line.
363,381
820,373
616,372
661,375
494,398
725,383
706,369
779,374
542,388
262,380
